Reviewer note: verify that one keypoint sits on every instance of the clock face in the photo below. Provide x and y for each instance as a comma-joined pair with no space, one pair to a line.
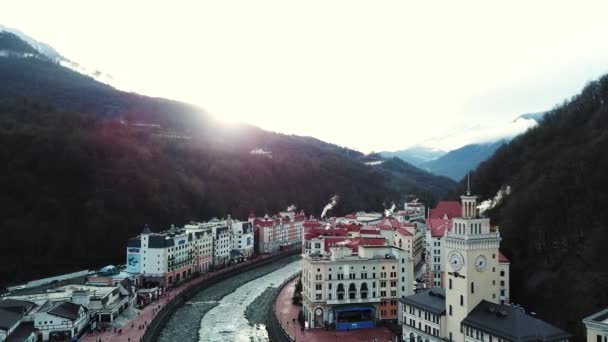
456,261
480,263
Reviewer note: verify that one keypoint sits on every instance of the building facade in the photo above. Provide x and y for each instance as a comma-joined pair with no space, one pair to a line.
474,304
354,287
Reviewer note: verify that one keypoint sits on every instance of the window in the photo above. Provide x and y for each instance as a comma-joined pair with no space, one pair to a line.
318,296
450,315
450,281
472,287
318,287
502,283
502,273
493,282
461,300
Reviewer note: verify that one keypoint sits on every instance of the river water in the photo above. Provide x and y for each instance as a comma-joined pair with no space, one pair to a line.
218,313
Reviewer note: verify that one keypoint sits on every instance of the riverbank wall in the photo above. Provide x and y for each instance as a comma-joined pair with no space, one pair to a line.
156,326
276,333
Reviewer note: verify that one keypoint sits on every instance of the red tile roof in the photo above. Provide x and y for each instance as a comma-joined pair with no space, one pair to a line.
450,209
312,224
438,226
367,242
263,222
502,257
404,232
389,224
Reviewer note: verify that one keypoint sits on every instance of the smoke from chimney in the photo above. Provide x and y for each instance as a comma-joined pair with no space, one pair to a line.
332,202
493,202
389,212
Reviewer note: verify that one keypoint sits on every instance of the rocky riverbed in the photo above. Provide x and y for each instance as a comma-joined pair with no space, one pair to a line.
232,310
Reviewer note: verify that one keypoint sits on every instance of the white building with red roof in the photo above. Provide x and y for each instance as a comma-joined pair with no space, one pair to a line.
436,228
283,230
353,283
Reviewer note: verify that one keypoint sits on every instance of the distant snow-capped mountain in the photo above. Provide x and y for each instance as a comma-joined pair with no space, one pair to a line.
415,155
48,51
484,135
466,148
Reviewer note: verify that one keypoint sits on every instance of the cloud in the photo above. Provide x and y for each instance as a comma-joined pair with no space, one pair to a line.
478,135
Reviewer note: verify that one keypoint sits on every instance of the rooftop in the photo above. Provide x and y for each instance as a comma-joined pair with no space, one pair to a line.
438,226
8,318
511,323
600,317
431,300
446,209
23,331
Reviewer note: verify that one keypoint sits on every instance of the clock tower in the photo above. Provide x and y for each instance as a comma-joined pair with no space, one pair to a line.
471,265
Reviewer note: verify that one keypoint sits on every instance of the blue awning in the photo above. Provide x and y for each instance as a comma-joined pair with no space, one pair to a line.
354,308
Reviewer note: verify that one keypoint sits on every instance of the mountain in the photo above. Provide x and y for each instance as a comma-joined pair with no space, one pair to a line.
455,164
52,54
40,47
554,224
415,155
85,166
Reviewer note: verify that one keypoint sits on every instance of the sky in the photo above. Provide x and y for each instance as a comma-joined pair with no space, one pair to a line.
369,75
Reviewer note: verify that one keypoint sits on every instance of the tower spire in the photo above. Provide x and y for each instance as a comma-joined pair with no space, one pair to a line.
468,184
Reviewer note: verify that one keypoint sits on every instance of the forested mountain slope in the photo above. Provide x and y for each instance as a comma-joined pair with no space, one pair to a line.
85,166
555,223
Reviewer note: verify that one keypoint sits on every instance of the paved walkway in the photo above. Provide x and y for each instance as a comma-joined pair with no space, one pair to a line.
132,330
287,312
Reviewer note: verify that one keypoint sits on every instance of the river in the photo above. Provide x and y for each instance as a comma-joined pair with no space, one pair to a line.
233,309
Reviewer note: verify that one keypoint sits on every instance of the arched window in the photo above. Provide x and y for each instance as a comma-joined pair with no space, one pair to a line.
340,292
412,337
352,291
364,291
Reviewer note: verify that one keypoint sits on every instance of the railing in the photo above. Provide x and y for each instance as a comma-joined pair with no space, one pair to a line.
276,332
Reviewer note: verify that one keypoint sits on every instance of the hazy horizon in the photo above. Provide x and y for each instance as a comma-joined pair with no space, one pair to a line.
381,76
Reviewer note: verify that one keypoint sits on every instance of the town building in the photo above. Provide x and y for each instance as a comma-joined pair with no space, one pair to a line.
242,237
61,321
436,228
471,307
16,320
412,211
282,231
164,258
354,283
597,326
